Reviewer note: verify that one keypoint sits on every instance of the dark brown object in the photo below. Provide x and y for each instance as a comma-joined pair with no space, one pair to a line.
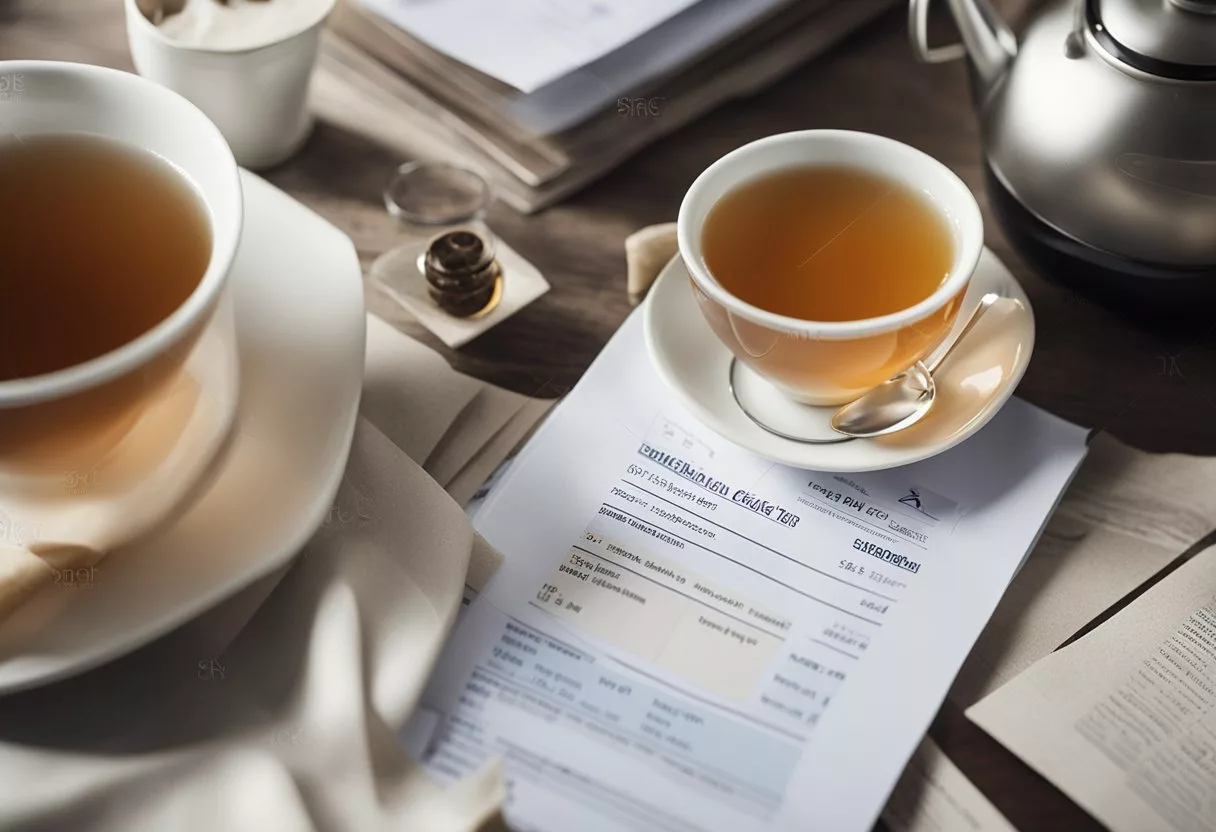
1154,390
461,273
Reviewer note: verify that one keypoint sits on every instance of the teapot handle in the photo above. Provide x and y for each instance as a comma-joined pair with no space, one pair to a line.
918,30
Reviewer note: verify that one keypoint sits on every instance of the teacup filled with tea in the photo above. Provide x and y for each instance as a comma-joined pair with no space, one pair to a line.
829,261
102,241
119,220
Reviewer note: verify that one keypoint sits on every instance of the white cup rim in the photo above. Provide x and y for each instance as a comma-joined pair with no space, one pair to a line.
225,237
324,10
962,209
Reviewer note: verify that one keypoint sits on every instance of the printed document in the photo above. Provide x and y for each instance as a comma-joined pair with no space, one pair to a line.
685,636
1123,720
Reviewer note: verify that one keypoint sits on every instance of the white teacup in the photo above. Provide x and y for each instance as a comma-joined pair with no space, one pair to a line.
70,419
831,362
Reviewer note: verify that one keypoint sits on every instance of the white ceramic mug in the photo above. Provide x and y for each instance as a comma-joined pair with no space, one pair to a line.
830,363
257,96
64,417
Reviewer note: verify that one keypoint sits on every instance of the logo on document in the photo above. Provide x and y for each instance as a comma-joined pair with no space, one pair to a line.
928,504
913,500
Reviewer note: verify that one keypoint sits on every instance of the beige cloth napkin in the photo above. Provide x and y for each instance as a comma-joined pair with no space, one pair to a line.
280,709
409,391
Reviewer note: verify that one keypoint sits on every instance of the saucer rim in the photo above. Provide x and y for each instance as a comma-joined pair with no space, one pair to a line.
809,456
274,556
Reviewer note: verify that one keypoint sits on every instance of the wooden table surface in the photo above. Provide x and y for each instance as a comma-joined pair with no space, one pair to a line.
1154,389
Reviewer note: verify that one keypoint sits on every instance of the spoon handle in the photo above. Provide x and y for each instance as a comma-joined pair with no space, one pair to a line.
984,305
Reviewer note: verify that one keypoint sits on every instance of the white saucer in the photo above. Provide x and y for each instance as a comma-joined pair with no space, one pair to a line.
147,478
971,384
297,293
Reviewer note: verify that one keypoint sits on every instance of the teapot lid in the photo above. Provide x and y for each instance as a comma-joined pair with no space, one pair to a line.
1169,38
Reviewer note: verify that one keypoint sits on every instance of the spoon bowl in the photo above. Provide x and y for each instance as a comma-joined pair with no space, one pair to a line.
903,400
897,403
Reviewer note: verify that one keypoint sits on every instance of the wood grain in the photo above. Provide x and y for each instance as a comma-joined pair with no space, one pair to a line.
1155,389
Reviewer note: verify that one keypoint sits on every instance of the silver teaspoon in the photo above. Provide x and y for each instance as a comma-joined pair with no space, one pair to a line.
903,400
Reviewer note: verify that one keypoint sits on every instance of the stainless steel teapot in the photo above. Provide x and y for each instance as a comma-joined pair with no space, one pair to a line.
1099,130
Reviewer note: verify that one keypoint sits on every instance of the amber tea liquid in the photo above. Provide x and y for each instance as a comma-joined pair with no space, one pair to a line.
827,243
100,242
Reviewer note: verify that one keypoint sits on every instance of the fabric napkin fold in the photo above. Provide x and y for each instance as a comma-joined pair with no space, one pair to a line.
485,415
478,470
281,708
294,723
409,391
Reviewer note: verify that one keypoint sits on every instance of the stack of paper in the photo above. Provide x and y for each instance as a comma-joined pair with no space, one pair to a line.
1124,720
458,428
1128,517
544,96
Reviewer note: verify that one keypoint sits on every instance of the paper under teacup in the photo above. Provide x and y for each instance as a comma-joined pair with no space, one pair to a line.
831,362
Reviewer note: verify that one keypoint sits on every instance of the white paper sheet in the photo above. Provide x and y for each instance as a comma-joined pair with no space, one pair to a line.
526,43
1125,517
610,80
685,636
1123,720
